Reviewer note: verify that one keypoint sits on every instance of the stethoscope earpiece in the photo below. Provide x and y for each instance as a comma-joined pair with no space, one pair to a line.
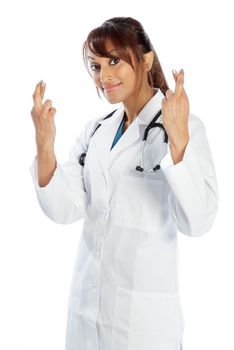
139,168
157,167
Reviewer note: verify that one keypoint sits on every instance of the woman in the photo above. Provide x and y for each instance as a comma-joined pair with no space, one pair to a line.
124,292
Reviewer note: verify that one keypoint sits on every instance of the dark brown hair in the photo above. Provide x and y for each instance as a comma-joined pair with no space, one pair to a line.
125,33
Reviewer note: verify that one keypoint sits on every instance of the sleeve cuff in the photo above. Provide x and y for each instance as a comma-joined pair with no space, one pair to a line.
34,173
167,161
185,176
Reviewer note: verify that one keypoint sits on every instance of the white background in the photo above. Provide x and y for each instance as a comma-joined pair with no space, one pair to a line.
43,40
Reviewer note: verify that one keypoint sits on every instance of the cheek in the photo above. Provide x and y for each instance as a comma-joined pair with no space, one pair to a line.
96,80
129,76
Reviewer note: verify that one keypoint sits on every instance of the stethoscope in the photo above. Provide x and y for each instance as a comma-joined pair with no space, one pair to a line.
151,125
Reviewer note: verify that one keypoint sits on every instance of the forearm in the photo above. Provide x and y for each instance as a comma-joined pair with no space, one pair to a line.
46,161
177,151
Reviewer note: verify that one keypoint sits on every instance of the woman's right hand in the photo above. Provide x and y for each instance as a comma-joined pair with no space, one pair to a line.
43,119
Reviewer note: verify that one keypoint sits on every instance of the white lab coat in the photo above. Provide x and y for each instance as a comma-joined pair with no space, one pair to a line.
124,292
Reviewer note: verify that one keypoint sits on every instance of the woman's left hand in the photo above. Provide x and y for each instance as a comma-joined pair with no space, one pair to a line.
175,112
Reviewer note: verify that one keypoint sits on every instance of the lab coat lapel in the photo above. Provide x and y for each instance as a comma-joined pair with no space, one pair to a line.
130,135
151,109
104,136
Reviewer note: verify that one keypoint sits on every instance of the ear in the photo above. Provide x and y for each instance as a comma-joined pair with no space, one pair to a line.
148,60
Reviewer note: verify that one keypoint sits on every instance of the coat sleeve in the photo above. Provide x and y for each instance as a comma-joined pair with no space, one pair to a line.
193,196
64,199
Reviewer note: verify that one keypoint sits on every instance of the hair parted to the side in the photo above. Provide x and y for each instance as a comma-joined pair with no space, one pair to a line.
125,33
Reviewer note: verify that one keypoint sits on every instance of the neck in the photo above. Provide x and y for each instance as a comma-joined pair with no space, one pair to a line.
134,104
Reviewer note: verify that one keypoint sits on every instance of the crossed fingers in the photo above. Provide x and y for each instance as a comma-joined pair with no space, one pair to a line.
179,87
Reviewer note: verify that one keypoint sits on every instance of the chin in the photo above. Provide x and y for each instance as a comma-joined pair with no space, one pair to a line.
114,100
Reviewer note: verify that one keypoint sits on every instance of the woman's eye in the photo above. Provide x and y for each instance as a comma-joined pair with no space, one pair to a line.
114,59
95,67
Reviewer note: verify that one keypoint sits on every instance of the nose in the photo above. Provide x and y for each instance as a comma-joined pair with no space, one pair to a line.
105,74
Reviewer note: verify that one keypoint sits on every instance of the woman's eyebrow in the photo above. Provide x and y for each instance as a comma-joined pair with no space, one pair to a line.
92,58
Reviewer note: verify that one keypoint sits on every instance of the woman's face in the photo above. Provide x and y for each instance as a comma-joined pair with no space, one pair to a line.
114,76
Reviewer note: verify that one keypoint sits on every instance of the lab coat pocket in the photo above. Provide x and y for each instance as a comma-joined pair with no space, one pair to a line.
145,320
139,202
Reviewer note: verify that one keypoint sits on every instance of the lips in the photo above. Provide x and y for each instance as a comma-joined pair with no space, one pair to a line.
111,87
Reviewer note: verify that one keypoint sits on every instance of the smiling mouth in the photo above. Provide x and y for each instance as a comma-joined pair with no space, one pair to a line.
113,88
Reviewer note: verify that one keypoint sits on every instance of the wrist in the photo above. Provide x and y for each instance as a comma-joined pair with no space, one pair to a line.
178,150
45,153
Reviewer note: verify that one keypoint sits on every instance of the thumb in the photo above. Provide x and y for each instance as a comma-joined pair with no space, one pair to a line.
52,112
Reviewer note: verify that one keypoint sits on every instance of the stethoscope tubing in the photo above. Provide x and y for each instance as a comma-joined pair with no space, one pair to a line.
151,125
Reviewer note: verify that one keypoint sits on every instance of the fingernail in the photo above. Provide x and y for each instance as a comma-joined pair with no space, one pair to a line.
182,70
174,71
43,83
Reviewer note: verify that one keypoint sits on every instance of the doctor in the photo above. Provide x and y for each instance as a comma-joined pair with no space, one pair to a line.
124,291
